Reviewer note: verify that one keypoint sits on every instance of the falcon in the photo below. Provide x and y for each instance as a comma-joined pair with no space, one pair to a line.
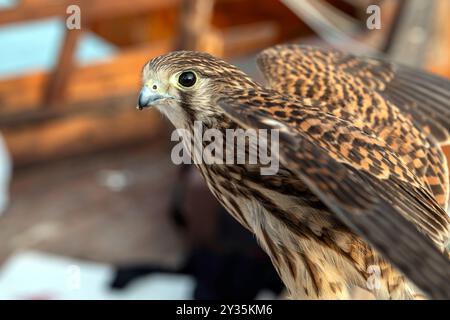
361,193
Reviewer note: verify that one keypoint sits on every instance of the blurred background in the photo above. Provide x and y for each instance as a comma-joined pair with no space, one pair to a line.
92,206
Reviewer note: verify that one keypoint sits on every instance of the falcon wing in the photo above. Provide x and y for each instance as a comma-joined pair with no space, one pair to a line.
365,185
311,72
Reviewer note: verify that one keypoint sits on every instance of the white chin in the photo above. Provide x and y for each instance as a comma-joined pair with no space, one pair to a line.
174,113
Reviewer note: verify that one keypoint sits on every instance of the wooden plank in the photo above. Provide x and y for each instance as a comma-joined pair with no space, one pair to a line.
91,9
195,22
246,39
117,76
113,125
98,111
56,86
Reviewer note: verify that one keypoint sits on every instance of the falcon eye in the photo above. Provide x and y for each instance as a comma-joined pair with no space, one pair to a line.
187,79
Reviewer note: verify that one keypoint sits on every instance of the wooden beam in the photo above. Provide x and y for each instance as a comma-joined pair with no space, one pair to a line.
195,22
98,112
56,86
246,39
117,76
92,9
112,125
99,107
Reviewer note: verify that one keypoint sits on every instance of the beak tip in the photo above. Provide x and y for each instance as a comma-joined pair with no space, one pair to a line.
144,98
141,104
148,98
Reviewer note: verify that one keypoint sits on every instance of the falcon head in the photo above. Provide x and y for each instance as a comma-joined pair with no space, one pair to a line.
184,84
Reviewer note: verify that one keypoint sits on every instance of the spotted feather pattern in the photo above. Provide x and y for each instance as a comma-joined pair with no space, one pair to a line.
356,175
408,109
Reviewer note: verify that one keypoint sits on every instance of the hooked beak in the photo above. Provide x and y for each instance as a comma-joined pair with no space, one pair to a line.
148,97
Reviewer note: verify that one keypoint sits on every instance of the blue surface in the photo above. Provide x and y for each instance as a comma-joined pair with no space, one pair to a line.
7,3
35,45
